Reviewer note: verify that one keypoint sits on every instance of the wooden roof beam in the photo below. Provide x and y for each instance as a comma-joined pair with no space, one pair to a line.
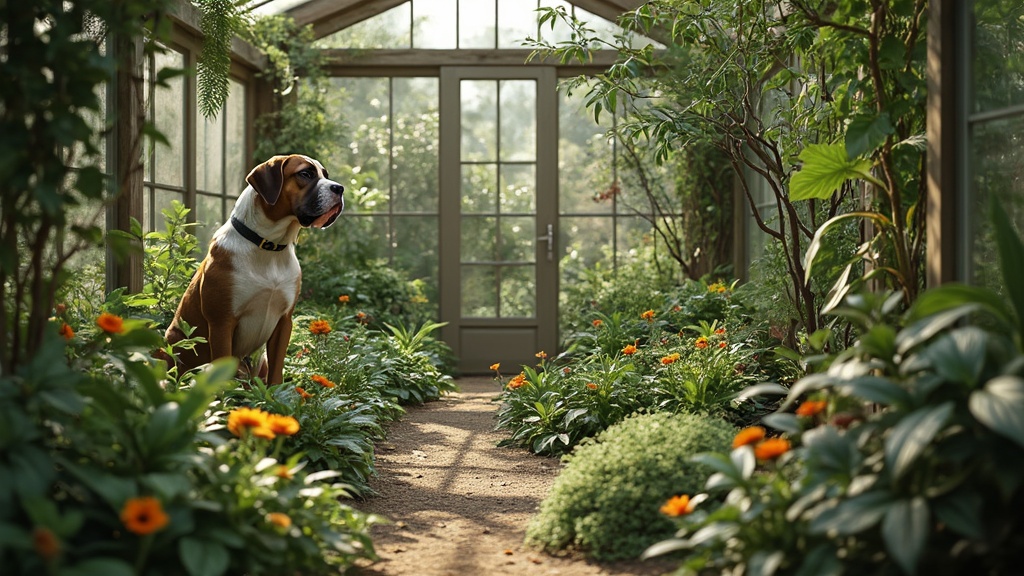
329,16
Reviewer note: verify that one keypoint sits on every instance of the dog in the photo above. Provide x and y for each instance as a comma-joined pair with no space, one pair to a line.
243,295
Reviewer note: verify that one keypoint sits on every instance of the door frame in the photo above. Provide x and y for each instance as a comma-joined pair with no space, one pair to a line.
545,322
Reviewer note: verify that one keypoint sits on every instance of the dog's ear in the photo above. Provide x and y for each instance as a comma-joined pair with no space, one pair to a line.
267,179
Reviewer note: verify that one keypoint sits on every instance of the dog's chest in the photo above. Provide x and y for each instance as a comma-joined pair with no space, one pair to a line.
265,289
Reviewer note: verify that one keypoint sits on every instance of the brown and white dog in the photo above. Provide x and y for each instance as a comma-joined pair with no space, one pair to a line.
243,295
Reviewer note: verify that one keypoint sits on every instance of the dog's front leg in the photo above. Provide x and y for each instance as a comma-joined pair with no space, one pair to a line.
277,347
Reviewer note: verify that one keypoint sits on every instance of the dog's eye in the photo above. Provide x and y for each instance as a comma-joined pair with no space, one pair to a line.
307,174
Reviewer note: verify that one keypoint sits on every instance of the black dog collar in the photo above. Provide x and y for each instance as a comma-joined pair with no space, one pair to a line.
255,238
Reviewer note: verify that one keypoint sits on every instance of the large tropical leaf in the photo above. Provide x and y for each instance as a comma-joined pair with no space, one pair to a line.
825,168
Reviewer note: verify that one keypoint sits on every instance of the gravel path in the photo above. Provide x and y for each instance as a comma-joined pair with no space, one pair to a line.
458,504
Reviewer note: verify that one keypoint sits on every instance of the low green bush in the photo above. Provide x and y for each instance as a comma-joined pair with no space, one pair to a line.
606,500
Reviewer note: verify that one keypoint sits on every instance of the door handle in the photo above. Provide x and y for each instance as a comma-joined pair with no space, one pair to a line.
550,238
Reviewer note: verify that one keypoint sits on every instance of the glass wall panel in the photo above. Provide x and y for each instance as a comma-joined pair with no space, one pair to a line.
390,29
210,154
434,24
415,248
585,243
168,111
517,20
518,120
364,107
632,234
561,31
518,236
997,59
479,100
476,24
209,211
585,157
997,169
236,165
414,164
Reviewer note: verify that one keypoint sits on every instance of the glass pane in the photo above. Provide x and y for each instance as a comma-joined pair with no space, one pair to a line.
415,247
476,24
210,214
389,29
414,155
997,62
479,239
479,293
518,189
518,237
479,120
585,244
362,105
168,110
518,120
998,161
517,20
518,292
585,158
633,235
433,24
235,162
561,31
209,153
479,188
162,200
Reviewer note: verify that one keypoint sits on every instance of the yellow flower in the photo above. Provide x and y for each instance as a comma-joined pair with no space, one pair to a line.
283,425
771,448
648,315
144,515
811,408
242,419
322,380
701,343
110,323
670,358
496,366
677,506
750,435
320,327
280,520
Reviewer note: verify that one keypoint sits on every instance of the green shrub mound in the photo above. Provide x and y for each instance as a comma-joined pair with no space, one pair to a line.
606,501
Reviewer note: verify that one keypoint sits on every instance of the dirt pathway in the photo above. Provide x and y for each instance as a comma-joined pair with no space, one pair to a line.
459,505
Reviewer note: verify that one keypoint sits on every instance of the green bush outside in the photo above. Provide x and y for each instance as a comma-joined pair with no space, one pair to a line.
606,501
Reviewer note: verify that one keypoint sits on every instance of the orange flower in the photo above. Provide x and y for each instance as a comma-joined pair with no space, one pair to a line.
630,349
144,515
722,344
283,472
322,380
264,432
591,385
496,366
542,355
45,543
720,331
302,393
670,358
361,316
771,448
677,506
110,323
811,408
517,381
597,323
343,298
66,331
242,419
648,315
320,327
280,520
283,425
750,435
701,343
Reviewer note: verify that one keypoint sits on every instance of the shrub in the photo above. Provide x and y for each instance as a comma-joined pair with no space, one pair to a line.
606,500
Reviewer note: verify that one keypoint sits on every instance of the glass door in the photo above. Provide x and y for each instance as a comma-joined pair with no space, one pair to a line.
498,177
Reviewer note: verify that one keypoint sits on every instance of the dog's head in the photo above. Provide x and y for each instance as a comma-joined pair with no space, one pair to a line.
298,185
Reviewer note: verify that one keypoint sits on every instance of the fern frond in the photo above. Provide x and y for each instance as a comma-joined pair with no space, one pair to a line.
220,21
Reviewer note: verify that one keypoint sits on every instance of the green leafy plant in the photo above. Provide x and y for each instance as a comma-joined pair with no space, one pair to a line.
908,459
605,501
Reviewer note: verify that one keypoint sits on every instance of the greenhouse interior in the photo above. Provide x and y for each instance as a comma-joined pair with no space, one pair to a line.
752,265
